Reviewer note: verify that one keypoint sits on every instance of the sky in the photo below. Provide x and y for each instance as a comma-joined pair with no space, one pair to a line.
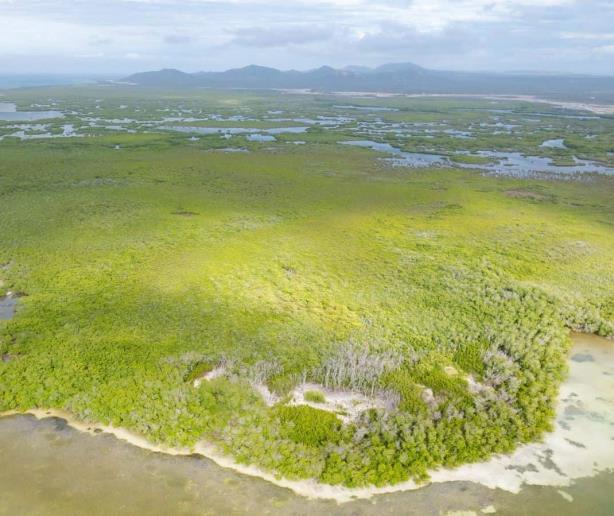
125,36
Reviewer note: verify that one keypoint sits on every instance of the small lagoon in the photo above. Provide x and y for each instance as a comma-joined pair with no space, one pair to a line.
8,305
401,158
9,113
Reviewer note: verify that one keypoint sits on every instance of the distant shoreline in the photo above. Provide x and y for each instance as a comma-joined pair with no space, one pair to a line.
600,109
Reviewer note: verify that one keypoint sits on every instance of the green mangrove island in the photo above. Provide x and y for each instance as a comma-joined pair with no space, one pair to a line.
353,290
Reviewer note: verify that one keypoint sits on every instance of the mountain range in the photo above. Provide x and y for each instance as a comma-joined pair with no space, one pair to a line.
393,78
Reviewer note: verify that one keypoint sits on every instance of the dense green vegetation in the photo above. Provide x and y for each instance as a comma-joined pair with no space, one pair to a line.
148,259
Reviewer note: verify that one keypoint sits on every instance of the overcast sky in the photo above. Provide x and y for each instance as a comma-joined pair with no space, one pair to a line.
92,36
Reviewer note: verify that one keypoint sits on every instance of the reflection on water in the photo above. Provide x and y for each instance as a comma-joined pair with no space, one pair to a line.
55,470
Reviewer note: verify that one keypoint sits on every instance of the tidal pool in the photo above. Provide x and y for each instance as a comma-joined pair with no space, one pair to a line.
401,158
366,108
555,144
52,469
261,138
8,304
8,112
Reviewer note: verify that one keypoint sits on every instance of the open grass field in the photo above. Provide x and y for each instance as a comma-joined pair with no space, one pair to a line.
146,259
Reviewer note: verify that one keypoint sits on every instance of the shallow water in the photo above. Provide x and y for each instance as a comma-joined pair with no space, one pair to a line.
9,113
401,158
33,132
8,304
261,138
555,144
513,164
235,130
518,165
366,108
328,121
54,469
7,107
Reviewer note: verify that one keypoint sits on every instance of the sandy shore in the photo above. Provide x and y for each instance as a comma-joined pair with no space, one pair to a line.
581,445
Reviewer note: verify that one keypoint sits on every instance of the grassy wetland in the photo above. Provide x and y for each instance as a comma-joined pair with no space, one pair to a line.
223,267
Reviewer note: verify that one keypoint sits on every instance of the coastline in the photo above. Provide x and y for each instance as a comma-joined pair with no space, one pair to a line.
575,449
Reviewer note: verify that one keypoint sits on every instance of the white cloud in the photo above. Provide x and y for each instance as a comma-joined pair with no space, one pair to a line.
214,34
588,36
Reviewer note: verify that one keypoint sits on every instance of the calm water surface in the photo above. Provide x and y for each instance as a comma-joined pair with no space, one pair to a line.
9,113
8,304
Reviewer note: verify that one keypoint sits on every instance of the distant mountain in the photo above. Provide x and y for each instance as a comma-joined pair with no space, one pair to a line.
358,69
400,68
393,78
166,77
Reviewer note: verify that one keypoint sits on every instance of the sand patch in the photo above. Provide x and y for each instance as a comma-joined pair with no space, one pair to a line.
210,375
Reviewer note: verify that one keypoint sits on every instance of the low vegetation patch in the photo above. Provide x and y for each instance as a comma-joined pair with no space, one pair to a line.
308,426
315,397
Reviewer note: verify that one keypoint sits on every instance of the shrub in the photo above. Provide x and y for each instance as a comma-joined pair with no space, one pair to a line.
197,370
315,397
309,426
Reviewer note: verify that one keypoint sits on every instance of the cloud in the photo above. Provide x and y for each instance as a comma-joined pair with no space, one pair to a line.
177,39
588,36
279,37
97,41
393,36
572,35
